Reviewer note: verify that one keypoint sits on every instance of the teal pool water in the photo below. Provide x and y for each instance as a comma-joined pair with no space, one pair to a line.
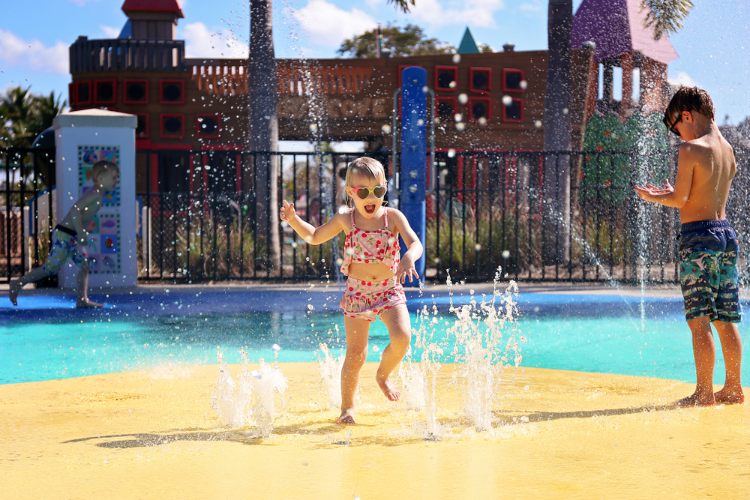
48,339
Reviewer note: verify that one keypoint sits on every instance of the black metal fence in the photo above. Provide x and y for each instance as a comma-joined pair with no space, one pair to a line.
26,208
205,215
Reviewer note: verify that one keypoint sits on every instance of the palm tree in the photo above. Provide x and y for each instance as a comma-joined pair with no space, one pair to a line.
263,131
16,111
23,116
557,99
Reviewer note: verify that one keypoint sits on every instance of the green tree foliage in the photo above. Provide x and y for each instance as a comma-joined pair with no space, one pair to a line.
617,152
407,41
24,115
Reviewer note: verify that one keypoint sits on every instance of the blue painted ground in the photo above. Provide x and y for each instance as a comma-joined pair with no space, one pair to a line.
47,338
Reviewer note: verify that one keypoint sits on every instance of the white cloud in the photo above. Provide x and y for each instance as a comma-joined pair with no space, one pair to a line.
479,13
202,42
329,25
533,6
33,54
110,31
682,78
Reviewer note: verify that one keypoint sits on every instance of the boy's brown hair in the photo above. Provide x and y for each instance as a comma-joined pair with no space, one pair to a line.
689,99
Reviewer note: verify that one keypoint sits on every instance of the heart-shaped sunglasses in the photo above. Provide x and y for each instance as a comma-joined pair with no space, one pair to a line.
364,192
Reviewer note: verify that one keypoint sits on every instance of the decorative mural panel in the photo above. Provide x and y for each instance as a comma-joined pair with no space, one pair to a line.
104,229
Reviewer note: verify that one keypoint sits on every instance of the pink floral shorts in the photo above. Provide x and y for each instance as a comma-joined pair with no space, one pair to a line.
367,299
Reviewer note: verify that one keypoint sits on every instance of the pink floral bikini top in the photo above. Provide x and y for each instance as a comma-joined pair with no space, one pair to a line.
377,245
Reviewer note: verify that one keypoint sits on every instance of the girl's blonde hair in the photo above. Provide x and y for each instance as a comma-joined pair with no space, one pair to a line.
366,167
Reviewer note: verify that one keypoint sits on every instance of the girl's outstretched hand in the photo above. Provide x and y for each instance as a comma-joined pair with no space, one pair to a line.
287,211
406,269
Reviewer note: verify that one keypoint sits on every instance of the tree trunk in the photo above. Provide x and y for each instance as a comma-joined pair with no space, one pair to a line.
557,133
263,131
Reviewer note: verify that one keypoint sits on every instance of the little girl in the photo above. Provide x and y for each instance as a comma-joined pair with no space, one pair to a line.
375,273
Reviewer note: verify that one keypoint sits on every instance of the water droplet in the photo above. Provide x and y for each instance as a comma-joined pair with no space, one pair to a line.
505,254
451,153
460,126
523,84
456,58
507,100
538,123
458,117
482,121
386,129
452,84
463,98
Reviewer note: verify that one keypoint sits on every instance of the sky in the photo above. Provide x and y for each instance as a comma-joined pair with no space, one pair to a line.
712,46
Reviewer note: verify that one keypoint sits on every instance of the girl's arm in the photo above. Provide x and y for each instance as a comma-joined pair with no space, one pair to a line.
414,248
311,234
676,196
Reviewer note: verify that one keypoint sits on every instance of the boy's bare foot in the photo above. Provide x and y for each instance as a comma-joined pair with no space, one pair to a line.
696,399
391,393
346,417
730,396
87,304
13,290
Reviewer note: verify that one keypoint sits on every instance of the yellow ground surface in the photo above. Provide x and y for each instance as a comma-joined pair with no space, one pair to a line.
558,434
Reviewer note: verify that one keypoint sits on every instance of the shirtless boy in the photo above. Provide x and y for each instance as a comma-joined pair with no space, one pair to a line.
708,243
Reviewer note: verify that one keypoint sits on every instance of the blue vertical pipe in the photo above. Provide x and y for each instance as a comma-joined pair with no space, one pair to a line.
414,153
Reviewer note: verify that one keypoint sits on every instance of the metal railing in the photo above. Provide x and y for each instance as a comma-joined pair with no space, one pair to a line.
206,215
26,208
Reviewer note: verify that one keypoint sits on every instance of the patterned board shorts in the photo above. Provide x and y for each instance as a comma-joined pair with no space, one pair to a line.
65,247
708,270
367,299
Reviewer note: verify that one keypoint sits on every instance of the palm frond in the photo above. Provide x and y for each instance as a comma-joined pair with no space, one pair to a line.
666,16
404,5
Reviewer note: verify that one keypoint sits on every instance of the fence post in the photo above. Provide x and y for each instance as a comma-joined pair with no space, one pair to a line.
414,153
81,139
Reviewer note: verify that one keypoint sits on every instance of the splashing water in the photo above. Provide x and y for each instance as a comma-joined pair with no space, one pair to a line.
419,379
330,375
479,331
230,401
252,401
267,383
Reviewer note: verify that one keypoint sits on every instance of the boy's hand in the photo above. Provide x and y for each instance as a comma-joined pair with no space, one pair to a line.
287,211
649,190
666,187
406,269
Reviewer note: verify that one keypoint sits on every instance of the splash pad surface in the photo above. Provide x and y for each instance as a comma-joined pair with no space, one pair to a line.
152,434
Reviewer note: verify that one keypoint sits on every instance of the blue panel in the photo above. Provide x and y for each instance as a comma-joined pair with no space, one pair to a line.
414,152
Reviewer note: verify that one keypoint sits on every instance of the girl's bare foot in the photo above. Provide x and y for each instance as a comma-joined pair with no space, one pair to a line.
730,396
13,290
86,303
391,393
346,417
696,399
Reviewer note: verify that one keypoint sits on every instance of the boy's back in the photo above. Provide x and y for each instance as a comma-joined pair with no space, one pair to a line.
711,159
